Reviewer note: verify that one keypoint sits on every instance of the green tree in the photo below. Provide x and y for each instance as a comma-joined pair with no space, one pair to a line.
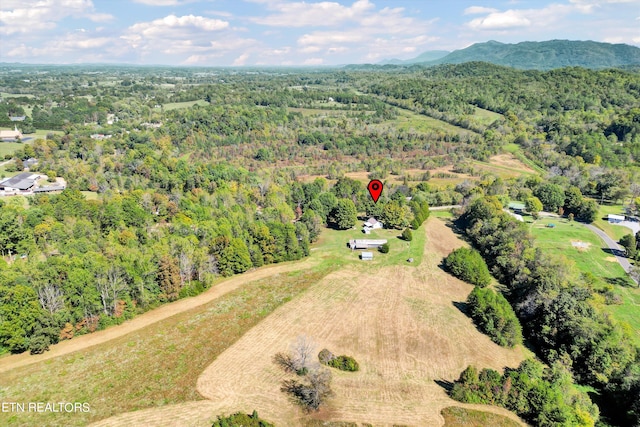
344,215
533,206
395,215
468,265
551,196
629,243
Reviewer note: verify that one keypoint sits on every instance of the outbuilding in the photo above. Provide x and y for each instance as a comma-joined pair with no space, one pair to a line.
615,219
366,256
366,243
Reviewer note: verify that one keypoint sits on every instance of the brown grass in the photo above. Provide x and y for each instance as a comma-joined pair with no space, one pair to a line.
461,417
398,322
510,161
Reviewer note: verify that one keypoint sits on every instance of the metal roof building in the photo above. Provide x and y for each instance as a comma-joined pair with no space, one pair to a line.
23,181
366,243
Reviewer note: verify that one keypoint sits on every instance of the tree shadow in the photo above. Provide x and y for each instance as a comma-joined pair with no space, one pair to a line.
619,281
446,385
614,252
462,306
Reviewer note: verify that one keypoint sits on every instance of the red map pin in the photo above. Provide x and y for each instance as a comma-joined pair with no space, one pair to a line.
375,189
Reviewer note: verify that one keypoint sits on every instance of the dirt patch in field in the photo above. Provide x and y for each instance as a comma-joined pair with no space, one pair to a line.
580,245
510,161
611,259
398,322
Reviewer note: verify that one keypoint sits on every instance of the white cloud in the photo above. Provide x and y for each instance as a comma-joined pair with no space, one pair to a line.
525,18
501,21
314,61
241,60
302,14
163,2
44,14
478,10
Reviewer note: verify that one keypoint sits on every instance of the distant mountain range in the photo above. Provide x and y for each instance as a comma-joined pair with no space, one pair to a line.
428,56
534,55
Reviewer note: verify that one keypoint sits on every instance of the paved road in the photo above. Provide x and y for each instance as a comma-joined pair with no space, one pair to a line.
617,250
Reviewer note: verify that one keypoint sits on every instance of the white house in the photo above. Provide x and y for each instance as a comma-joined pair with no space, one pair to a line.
372,224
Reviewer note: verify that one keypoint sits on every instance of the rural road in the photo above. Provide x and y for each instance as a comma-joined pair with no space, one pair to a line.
616,249
444,208
150,317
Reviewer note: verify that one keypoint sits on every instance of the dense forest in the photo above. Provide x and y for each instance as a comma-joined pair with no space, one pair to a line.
197,174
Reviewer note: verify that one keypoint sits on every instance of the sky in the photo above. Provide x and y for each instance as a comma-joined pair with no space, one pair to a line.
291,32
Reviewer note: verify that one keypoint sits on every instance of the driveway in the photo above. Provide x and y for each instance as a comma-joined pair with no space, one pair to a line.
616,249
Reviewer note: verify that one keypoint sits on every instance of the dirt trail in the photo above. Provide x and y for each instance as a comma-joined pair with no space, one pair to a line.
399,322
85,341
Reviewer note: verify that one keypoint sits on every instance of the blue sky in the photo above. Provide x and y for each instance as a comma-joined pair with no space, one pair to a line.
291,32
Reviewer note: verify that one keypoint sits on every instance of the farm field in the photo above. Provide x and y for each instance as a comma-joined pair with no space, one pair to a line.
576,242
393,319
503,165
410,121
179,105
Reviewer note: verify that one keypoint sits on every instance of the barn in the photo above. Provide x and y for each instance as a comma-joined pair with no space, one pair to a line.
366,243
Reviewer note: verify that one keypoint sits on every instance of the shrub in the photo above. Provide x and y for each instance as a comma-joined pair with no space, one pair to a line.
38,344
407,235
468,265
344,363
494,316
240,419
384,248
325,356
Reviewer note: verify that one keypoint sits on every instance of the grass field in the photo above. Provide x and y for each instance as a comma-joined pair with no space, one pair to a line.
187,104
485,117
460,417
591,259
559,242
9,148
155,366
410,121
396,320
90,195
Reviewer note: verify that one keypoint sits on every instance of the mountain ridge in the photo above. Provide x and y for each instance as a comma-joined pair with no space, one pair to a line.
544,55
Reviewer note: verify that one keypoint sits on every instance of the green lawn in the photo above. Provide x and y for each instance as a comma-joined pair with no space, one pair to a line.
558,243
614,231
9,148
333,249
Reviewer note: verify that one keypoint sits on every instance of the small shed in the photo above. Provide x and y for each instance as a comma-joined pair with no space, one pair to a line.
615,219
366,256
